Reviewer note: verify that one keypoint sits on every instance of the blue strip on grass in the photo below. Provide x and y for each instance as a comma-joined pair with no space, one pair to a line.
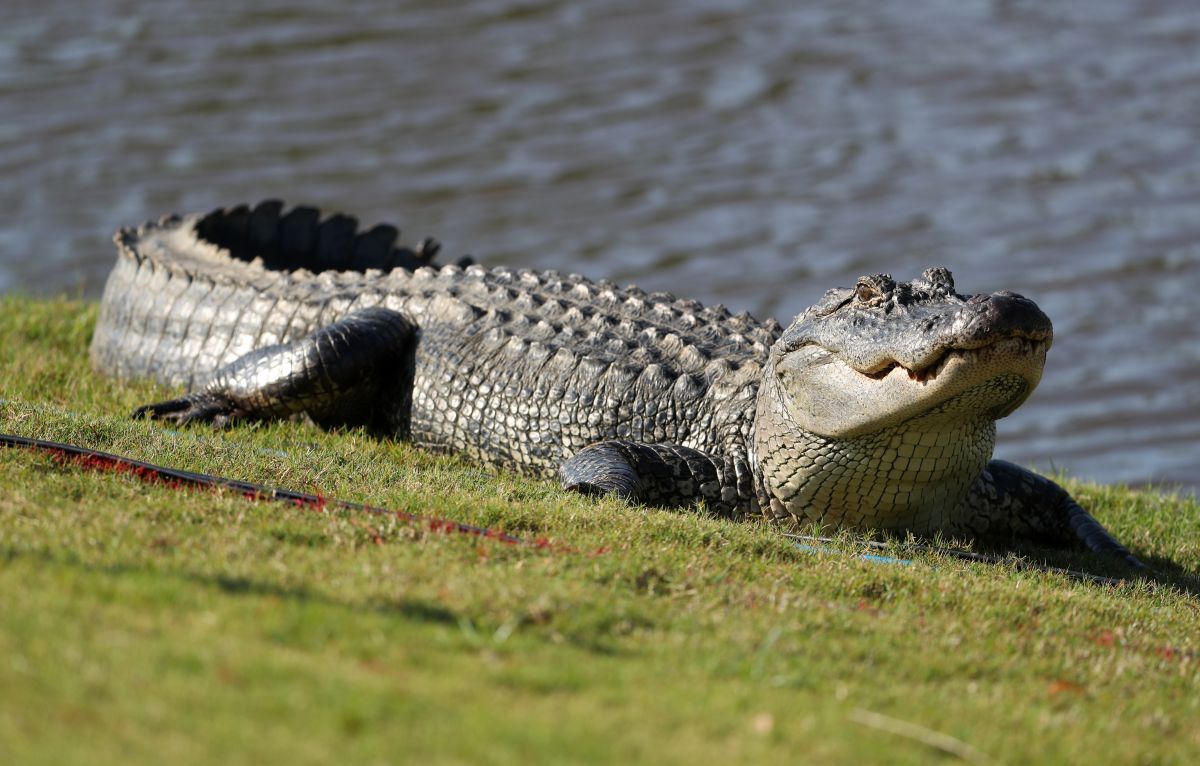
865,556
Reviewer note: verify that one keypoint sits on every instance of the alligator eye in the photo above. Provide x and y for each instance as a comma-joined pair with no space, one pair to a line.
865,292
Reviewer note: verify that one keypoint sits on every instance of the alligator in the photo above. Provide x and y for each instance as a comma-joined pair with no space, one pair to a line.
873,411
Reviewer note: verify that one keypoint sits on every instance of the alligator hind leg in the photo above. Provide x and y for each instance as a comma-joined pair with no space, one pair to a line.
1010,502
356,371
660,474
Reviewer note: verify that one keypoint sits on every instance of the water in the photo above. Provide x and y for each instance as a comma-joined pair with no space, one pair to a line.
750,153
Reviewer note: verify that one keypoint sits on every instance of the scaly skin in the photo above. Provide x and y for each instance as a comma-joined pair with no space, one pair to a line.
875,410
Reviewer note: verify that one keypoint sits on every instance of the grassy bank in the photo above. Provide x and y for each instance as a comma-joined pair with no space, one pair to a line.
144,624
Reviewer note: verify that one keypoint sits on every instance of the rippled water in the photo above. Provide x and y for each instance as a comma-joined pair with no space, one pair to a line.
751,153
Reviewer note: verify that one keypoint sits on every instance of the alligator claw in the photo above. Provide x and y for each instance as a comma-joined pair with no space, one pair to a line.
214,409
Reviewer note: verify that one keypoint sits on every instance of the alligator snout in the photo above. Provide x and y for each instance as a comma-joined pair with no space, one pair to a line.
1006,314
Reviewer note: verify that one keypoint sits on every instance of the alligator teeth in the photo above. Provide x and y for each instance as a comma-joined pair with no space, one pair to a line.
930,372
883,372
1024,346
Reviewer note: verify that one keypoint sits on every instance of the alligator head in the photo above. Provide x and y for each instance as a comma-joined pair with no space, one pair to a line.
882,398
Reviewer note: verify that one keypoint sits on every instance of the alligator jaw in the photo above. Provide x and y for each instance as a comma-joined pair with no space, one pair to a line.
933,367
825,394
960,369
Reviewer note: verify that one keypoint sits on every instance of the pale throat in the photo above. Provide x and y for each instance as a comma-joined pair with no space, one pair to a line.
913,476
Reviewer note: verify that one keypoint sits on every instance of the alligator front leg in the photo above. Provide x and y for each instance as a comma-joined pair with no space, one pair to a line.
1009,502
662,475
339,375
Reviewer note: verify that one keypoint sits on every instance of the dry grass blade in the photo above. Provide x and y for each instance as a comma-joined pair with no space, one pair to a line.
935,739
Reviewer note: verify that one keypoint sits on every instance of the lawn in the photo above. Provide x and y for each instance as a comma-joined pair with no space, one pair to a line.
145,624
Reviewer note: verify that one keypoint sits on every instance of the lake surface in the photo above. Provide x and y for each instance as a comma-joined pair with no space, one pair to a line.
749,153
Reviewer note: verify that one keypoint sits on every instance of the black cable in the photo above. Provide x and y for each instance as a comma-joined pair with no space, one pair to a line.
156,473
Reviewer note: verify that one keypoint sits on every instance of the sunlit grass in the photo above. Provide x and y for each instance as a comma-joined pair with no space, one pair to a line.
144,624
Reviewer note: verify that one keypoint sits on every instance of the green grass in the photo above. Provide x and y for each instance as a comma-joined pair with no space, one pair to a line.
144,624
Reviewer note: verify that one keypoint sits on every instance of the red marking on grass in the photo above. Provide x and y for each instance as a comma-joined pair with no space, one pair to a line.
865,606
376,537
1059,686
176,479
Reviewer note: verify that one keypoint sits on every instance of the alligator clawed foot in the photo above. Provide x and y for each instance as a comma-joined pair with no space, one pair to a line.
214,409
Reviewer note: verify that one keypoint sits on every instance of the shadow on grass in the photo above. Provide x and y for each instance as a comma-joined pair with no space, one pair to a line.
1160,571
1094,568
409,609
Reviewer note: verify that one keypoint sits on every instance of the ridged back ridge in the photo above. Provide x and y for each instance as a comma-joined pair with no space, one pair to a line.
178,303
